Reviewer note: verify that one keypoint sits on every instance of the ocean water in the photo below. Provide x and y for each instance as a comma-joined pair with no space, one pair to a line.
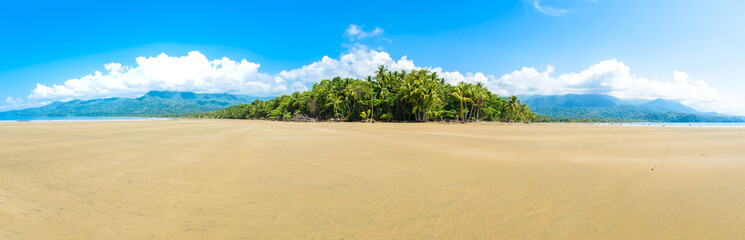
678,124
78,119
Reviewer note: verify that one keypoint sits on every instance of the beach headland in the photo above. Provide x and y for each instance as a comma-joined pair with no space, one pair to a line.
245,179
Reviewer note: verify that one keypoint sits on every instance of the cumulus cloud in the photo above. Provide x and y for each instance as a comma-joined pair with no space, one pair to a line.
355,32
357,63
12,103
614,78
194,72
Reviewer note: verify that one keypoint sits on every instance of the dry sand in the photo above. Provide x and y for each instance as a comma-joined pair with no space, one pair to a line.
231,179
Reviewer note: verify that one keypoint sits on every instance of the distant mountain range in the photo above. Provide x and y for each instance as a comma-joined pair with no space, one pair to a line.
570,106
154,103
597,106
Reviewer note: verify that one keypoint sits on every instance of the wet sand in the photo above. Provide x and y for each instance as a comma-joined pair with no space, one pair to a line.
232,179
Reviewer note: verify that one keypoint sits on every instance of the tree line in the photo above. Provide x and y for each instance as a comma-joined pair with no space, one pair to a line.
418,96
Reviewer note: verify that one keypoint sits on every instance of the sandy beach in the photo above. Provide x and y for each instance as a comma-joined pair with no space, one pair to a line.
241,179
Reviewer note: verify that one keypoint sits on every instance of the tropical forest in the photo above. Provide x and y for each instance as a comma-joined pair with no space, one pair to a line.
391,96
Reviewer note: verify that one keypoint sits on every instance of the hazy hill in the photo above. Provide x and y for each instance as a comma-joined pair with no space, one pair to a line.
661,105
572,100
154,103
608,107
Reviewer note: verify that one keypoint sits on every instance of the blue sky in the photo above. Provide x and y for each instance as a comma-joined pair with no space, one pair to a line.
690,51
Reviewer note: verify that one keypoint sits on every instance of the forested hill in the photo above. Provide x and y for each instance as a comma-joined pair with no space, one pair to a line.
388,96
575,107
154,103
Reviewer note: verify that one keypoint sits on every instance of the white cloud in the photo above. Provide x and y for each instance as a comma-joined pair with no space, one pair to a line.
196,73
17,103
193,72
456,77
355,32
11,103
549,10
357,63
558,8
615,78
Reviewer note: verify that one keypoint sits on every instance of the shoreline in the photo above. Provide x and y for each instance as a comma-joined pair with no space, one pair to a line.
84,119
618,124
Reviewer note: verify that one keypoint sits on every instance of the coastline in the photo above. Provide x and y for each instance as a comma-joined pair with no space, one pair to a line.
80,119
634,124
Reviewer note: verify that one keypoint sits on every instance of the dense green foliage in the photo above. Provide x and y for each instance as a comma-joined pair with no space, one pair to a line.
388,96
151,104
603,108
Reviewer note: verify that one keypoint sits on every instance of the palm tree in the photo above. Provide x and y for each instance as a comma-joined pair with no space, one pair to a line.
460,95
382,74
481,94
372,96
525,113
513,107
297,101
333,100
